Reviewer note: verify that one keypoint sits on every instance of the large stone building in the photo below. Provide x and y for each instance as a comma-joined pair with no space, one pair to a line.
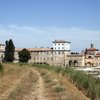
59,54
88,57
2,48
53,56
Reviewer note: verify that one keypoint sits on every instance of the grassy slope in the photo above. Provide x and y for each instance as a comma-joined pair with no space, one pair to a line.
19,82
58,87
89,85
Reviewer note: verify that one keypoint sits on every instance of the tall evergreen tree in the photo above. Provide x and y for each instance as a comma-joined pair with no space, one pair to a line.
9,51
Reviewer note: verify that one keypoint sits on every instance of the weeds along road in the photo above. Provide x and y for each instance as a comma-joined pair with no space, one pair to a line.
30,83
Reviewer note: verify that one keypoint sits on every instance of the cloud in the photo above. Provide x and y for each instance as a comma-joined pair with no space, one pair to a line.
30,36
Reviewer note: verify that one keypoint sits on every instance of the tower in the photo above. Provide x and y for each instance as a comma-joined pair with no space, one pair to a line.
92,45
61,49
61,45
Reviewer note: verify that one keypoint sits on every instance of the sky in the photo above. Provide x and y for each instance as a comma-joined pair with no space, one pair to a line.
36,23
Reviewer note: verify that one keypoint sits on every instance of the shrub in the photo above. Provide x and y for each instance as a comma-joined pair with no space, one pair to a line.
59,89
1,68
24,55
47,79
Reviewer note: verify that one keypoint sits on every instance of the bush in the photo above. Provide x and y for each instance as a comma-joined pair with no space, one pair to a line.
59,89
1,68
24,55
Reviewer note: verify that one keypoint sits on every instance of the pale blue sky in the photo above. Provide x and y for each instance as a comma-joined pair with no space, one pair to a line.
33,23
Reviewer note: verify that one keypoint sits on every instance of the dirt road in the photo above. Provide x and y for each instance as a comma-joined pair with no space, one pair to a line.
35,84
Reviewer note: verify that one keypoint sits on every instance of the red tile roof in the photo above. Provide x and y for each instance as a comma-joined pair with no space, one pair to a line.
75,55
98,53
34,49
92,49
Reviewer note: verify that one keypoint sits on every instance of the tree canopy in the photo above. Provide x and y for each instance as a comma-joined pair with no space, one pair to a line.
24,55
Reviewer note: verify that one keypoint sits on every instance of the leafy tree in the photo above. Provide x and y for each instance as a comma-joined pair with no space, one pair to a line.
9,51
24,55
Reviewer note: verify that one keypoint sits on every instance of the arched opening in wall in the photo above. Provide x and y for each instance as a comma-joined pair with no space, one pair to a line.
92,64
70,63
85,64
89,57
89,63
75,63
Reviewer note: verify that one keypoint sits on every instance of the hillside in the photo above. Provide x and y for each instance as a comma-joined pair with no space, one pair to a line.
32,83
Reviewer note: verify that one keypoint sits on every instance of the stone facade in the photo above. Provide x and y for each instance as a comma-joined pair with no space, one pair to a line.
50,56
89,57
2,49
75,60
60,54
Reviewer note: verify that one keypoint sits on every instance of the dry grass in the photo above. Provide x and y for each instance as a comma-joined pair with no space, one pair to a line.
10,76
59,88
22,91
16,83
27,83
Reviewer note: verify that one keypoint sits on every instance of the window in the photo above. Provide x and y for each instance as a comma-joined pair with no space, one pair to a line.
55,48
62,44
58,44
37,52
59,52
51,58
62,47
47,52
55,44
58,47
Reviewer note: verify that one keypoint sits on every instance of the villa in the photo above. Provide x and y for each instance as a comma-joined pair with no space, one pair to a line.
60,54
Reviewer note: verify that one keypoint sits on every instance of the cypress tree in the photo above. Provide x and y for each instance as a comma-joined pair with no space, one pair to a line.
9,51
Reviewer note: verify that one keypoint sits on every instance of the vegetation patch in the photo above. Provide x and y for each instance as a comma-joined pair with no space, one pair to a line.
24,56
86,83
59,89
54,90
1,69
47,79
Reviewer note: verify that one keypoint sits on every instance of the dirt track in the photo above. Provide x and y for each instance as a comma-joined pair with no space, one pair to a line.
36,84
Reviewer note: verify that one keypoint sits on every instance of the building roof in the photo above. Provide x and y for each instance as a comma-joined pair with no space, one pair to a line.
2,50
98,53
34,49
75,55
61,41
2,44
92,49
